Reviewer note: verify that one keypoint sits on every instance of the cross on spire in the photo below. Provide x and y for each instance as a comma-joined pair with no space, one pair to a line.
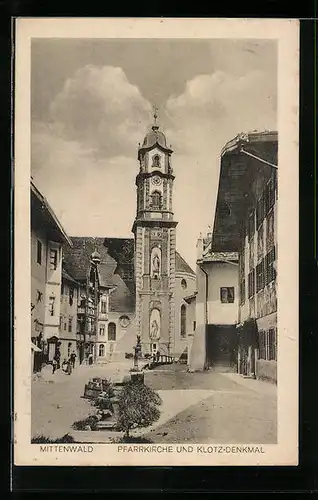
155,114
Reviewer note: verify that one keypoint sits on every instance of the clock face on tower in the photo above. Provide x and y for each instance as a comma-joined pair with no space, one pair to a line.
156,180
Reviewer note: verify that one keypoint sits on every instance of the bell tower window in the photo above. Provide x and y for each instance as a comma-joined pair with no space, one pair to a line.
156,200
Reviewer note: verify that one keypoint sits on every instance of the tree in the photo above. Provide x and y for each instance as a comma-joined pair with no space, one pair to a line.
137,406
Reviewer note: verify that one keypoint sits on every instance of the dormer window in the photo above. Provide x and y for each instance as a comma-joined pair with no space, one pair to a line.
156,200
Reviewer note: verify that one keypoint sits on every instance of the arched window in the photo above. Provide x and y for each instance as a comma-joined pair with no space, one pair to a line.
101,350
111,331
183,320
156,199
183,284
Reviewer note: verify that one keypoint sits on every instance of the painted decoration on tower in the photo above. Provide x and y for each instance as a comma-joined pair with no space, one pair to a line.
155,262
124,321
154,333
156,180
156,161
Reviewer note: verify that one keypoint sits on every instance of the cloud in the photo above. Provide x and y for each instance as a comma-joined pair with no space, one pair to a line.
215,107
84,158
100,108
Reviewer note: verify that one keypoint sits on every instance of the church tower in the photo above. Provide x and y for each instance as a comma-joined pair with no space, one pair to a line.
155,245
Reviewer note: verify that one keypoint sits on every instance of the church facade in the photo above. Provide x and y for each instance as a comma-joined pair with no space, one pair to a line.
159,318
144,279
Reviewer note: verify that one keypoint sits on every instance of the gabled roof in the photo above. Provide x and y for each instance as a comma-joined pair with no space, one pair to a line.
182,266
43,216
69,278
219,257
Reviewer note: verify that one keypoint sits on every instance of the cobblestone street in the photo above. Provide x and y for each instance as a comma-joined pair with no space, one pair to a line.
203,407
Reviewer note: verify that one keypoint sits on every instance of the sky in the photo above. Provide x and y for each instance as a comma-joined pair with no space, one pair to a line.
92,103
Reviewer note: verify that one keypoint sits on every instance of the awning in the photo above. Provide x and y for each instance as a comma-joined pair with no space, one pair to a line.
35,348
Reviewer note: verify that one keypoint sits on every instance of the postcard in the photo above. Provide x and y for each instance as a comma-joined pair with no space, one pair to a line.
156,241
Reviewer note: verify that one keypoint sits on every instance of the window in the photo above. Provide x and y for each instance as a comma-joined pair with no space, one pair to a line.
71,296
269,194
69,324
183,284
101,350
262,344
270,273
103,307
53,259
268,345
156,199
39,252
242,291
183,324
251,283
242,264
65,326
272,344
227,295
260,278
260,212
111,331
251,224
51,306
102,330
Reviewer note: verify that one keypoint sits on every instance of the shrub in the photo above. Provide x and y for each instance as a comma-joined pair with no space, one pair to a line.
40,439
131,439
90,421
137,407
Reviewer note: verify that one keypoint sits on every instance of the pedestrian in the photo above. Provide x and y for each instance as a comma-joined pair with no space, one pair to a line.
54,365
64,365
69,367
73,358
158,356
90,358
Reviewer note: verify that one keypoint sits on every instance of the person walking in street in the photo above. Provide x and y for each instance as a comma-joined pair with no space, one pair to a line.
54,365
69,367
90,358
73,358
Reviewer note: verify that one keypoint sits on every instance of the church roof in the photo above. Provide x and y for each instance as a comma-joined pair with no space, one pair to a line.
182,266
115,269
155,137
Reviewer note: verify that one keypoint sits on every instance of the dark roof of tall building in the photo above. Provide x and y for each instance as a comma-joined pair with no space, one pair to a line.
245,159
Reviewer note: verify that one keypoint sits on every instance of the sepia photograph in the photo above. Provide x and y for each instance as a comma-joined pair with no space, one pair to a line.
154,198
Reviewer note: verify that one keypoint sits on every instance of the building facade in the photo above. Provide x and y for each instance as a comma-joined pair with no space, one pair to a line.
47,241
68,316
245,222
214,344
236,303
